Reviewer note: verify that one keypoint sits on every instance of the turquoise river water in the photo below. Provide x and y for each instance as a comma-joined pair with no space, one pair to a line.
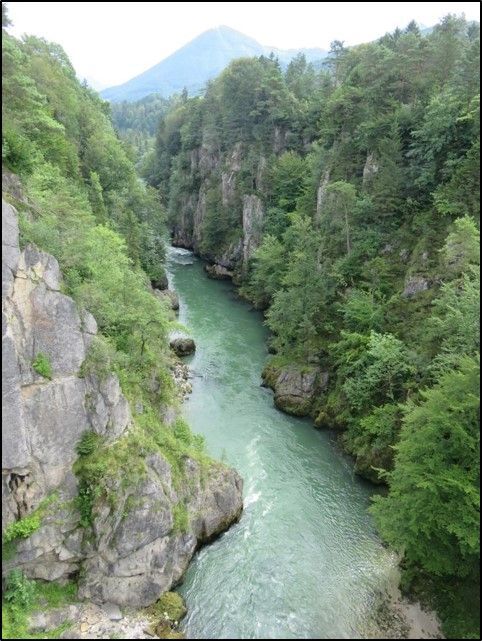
304,561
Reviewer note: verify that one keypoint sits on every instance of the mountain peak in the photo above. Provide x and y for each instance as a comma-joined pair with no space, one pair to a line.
197,62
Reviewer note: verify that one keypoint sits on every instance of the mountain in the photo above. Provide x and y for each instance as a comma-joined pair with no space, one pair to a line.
197,62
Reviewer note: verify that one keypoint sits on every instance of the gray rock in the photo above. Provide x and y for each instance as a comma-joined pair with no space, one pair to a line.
252,226
182,346
112,611
11,185
321,194
414,285
43,419
168,296
370,169
138,554
107,408
218,272
133,552
295,388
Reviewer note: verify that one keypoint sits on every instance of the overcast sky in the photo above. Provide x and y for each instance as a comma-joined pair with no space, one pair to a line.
109,43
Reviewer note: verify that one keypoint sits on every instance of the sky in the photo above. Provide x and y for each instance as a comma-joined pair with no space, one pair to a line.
110,42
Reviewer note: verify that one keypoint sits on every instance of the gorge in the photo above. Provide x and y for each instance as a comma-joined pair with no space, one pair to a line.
321,286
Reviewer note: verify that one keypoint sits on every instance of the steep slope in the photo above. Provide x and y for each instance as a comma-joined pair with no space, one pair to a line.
197,62
133,549
105,488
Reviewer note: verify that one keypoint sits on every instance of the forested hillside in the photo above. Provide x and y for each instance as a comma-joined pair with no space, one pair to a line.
137,122
345,203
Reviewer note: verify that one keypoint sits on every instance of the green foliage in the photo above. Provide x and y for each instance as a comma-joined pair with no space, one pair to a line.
100,359
22,528
371,440
23,597
379,373
180,518
170,606
19,591
462,247
89,442
41,364
431,512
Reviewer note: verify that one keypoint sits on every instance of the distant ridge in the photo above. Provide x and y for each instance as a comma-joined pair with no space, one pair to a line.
198,61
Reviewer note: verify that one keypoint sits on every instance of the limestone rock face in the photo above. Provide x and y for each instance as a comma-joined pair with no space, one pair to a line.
139,544
140,552
370,169
295,388
252,225
44,418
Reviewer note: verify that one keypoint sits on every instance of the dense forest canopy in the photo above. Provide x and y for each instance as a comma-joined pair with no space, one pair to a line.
367,174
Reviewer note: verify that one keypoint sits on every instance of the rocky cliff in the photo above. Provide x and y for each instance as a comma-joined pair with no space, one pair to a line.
134,548
238,202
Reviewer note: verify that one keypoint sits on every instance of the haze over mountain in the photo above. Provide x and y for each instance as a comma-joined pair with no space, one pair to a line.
197,62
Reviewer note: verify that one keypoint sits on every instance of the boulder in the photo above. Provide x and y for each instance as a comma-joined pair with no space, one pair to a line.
295,387
218,272
183,346
140,552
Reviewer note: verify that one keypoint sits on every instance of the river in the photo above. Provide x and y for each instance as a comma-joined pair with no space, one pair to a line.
304,561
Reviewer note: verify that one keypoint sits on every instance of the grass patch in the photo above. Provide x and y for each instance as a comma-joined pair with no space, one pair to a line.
180,519
22,528
41,364
26,526
23,597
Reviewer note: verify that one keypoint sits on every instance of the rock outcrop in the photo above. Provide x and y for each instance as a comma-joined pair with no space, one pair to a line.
218,272
182,346
44,417
231,259
169,296
252,226
414,285
295,387
139,544
140,552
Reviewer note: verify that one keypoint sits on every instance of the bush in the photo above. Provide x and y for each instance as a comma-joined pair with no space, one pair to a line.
89,442
42,366
23,528
19,591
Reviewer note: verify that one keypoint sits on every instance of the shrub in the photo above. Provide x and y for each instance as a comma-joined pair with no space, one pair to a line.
89,442
23,528
19,591
42,366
